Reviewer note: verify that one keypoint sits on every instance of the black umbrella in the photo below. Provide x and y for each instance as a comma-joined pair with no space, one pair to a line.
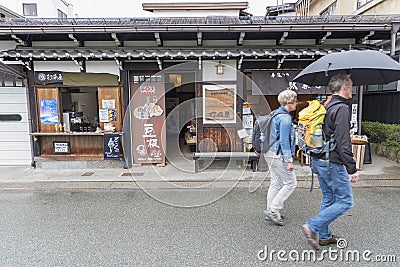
367,67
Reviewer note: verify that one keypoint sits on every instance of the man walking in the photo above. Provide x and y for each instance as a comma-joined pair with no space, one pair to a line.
280,157
337,196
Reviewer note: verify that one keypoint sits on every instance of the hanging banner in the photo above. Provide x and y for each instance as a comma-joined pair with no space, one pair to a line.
111,146
148,133
275,81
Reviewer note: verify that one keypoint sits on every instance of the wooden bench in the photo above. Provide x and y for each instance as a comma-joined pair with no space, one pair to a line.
199,156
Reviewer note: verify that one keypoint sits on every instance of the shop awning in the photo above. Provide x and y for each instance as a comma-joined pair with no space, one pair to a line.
89,79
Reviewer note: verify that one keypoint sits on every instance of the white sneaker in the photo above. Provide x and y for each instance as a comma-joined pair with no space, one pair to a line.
275,218
268,218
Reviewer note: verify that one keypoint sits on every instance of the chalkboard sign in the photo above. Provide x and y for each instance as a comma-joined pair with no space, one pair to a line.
111,146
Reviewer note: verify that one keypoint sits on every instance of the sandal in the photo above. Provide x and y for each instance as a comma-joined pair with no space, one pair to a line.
310,236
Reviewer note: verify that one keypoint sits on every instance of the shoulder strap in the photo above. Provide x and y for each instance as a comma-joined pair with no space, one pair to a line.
278,112
330,104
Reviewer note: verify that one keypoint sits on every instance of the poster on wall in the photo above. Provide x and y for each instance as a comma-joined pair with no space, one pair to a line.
247,121
103,115
110,104
48,111
219,103
111,146
108,115
148,127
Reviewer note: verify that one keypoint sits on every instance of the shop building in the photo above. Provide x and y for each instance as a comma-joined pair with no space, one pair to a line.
379,100
132,73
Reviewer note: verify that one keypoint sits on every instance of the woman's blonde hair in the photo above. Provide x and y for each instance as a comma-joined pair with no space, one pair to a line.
286,97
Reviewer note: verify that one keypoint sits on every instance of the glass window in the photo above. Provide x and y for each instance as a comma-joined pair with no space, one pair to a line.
330,10
372,88
61,14
30,9
390,86
360,3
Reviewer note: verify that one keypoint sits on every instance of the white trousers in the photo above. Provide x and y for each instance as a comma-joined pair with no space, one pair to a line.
283,182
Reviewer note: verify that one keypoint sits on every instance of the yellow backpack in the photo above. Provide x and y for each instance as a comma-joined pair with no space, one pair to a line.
310,122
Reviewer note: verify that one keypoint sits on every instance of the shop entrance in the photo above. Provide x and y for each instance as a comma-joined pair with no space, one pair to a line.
180,117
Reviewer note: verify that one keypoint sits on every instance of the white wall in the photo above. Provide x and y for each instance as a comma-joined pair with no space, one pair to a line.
67,66
14,135
7,45
70,66
209,70
45,8
102,67
195,13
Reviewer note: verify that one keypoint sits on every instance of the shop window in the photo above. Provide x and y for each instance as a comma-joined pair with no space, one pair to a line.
372,88
30,9
80,109
11,82
382,87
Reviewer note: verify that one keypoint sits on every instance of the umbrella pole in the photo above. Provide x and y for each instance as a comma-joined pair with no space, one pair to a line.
360,107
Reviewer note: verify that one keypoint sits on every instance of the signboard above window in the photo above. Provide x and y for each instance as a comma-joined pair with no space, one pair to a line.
275,81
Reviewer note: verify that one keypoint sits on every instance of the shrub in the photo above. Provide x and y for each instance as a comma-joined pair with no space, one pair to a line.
385,134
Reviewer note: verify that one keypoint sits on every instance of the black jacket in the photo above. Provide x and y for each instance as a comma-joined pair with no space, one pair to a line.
337,122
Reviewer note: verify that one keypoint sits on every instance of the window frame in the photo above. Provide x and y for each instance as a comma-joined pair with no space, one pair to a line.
29,9
61,14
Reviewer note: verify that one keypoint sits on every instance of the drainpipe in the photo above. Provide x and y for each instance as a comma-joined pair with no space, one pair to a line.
393,37
393,34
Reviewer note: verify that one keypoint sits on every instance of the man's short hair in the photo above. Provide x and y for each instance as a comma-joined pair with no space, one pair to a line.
286,97
336,82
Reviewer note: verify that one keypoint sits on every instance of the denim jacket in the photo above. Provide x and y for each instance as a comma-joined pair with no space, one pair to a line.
284,132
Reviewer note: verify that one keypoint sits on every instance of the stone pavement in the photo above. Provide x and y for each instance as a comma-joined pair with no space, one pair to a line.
381,173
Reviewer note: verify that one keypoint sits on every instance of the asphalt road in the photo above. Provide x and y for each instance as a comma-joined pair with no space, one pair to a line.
130,228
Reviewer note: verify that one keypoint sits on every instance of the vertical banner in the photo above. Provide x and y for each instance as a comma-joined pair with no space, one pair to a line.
111,146
148,118
353,121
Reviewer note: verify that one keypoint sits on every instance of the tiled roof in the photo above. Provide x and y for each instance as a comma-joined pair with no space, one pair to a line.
125,53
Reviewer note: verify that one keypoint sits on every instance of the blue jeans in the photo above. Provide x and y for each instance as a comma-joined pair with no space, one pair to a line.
337,196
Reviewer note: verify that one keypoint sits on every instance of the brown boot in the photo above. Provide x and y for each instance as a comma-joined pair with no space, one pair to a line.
334,239
311,236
